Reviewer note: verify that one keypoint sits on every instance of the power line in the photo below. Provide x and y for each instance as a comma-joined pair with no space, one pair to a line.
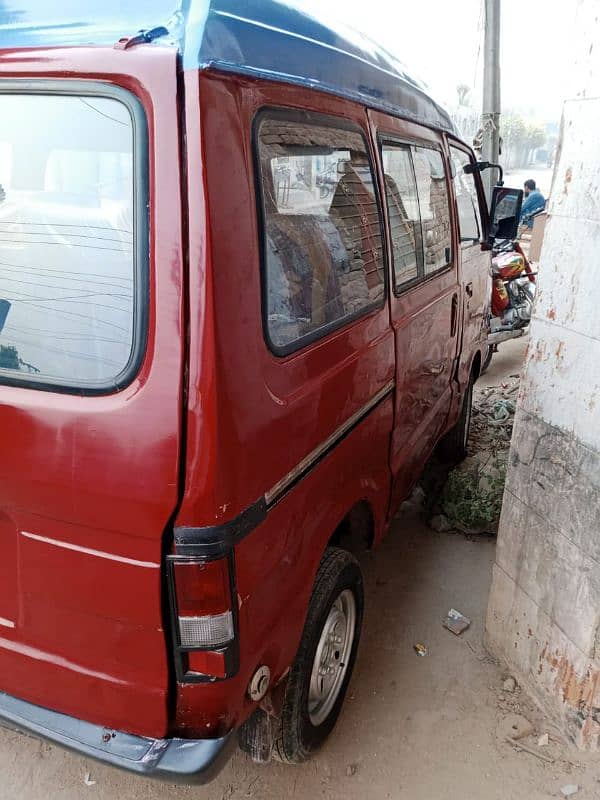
71,244
66,335
35,269
52,286
86,317
69,298
82,356
48,230
68,225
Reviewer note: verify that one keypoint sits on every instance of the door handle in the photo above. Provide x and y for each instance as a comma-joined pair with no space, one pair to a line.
469,289
454,315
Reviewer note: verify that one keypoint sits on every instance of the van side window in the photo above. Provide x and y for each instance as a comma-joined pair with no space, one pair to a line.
435,211
403,211
70,241
467,201
323,262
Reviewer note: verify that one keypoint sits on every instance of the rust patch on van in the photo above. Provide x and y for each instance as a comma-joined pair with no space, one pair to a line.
551,313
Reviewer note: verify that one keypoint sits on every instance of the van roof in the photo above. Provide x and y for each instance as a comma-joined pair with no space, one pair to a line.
274,39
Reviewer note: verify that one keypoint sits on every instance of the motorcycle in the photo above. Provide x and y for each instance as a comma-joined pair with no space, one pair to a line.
327,181
513,292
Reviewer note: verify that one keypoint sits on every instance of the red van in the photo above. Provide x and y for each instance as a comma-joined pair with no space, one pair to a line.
244,288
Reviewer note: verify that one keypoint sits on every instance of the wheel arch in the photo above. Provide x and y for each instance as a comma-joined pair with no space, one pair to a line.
356,531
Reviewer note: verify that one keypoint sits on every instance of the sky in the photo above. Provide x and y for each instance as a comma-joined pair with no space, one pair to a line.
441,43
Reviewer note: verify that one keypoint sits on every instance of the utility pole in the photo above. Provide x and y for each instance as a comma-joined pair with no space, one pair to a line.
490,150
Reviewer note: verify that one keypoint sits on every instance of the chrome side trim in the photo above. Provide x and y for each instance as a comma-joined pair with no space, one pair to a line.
303,466
89,551
217,541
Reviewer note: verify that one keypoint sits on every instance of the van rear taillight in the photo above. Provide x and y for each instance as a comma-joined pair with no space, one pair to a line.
206,631
202,585
204,617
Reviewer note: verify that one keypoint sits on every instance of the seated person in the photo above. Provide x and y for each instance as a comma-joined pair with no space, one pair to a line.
534,202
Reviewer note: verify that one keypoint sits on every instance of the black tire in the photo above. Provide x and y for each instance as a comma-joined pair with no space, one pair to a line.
297,736
453,447
488,358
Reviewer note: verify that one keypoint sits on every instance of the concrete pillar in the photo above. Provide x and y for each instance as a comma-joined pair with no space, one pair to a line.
544,608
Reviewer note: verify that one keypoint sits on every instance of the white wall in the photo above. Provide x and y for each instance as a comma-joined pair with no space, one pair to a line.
562,381
544,609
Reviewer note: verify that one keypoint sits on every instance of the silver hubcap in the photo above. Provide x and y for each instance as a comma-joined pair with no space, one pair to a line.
332,656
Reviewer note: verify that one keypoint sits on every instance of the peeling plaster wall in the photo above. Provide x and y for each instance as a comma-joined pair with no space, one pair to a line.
544,609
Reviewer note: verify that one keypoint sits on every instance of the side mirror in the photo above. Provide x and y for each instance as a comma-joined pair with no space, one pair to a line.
505,212
481,166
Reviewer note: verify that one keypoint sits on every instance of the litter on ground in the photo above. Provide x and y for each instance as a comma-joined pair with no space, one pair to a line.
456,622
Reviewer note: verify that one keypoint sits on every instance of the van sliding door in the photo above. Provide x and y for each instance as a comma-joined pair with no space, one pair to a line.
425,309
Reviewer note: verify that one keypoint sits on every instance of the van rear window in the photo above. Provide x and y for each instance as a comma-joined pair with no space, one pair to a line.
323,260
67,240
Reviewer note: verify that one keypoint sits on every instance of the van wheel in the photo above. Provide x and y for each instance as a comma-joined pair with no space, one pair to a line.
491,349
453,447
321,671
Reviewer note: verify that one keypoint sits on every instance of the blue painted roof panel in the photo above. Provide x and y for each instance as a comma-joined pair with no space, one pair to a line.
271,38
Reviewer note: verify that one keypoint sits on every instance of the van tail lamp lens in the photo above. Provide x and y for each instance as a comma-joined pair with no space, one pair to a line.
206,631
207,662
205,617
202,587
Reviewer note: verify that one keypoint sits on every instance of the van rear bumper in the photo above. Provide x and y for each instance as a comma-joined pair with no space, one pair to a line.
173,760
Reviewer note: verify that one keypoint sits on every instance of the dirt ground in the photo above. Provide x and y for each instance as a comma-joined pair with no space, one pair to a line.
506,362
419,728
